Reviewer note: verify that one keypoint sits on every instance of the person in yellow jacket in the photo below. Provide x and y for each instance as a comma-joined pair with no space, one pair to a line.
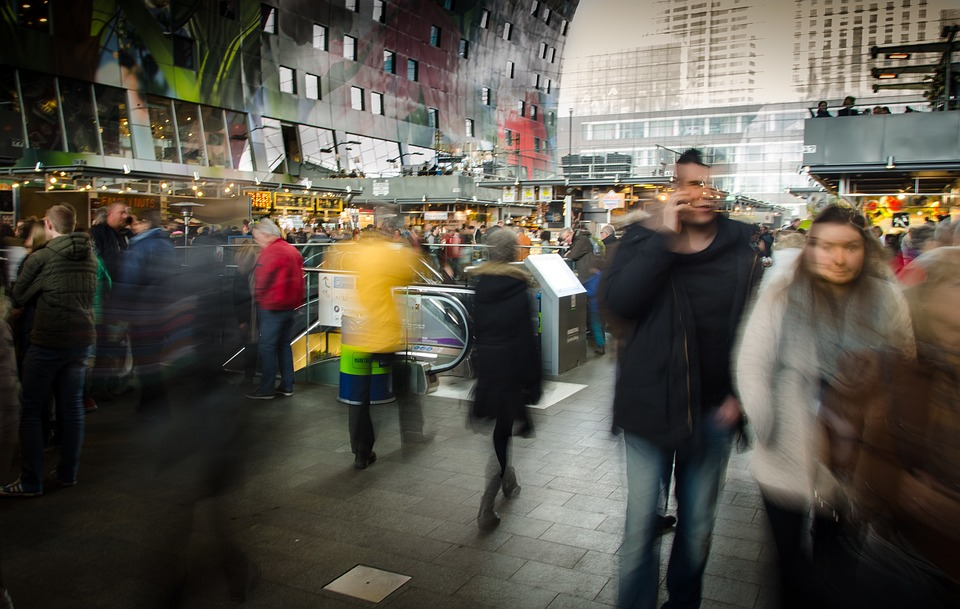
373,324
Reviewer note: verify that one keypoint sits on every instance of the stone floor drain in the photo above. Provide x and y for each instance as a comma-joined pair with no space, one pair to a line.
367,583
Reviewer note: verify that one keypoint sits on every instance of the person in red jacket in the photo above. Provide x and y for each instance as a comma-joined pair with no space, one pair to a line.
278,291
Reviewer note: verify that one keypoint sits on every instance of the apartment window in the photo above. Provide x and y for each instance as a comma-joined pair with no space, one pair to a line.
508,137
376,103
536,81
485,19
268,19
389,62
356,98
522,108
536,144
288,80
464,50
379,14
184,52
485,96
433,118
507,30
563,27
353,5
543,50
469,127
350,47
311,86
434,36
413,70
553,54
552,118
510,67
546,15
534,7
533,113
449,5
549,85
320,37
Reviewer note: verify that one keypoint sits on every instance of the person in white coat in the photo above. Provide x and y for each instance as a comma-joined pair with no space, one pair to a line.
837,299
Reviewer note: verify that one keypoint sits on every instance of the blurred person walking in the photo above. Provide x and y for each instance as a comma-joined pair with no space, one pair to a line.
373,327
507,361
278,290
894,442
145,293
62,278
245,307
836,299
109,235
678,286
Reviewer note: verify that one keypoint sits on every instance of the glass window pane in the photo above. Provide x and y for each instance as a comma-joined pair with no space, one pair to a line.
313,142
371,156
376,103
350,47
356,98
162,129
191,135
273,142
216,136
288,80
413,70
114,124
239,141
41,110
312,86
268,19
78,116
319,36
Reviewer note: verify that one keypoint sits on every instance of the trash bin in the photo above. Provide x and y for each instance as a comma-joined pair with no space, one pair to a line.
355,367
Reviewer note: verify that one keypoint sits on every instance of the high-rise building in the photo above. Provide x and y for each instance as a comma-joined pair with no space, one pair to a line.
720,37
832,41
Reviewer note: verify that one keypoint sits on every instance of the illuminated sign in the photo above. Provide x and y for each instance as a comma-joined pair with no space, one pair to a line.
133,201
261,200
335,205
286,199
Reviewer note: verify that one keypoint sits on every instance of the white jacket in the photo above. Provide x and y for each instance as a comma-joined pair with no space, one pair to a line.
779,385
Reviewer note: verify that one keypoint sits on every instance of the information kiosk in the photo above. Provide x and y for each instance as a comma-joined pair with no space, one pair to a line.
563,313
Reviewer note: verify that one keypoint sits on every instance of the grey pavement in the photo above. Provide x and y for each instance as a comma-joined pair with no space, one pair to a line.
307,516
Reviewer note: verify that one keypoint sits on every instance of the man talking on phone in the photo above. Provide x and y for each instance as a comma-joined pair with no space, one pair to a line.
679,283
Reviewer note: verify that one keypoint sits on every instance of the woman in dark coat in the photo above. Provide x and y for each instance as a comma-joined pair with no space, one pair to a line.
507,360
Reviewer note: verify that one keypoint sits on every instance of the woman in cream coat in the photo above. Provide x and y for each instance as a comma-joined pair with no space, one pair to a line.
837,301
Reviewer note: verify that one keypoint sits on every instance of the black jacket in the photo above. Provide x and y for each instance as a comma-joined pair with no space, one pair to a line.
506,354
657,392
62,278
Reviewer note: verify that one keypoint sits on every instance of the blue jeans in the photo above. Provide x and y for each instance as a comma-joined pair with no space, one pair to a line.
63,371
700,469
276,332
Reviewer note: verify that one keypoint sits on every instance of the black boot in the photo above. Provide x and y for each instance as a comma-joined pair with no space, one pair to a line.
510,486
487,517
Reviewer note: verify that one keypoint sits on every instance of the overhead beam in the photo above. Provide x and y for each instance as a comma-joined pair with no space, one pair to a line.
922,47
922,69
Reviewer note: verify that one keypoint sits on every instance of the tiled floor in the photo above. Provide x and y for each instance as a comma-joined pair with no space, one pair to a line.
307,517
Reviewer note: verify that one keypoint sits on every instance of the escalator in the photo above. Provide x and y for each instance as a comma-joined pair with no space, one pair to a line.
435,325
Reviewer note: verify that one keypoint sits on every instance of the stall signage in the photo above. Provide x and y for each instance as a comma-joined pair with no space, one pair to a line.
546,193
286,199
133,201
381,188
324,204
612,200
435,215
528,195
510,194
336,293
261,199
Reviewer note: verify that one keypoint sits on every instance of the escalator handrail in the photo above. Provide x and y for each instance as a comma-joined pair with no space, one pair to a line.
443,293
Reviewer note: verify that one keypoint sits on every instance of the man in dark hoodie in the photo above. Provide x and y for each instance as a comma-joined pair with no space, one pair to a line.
62,279
678,285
